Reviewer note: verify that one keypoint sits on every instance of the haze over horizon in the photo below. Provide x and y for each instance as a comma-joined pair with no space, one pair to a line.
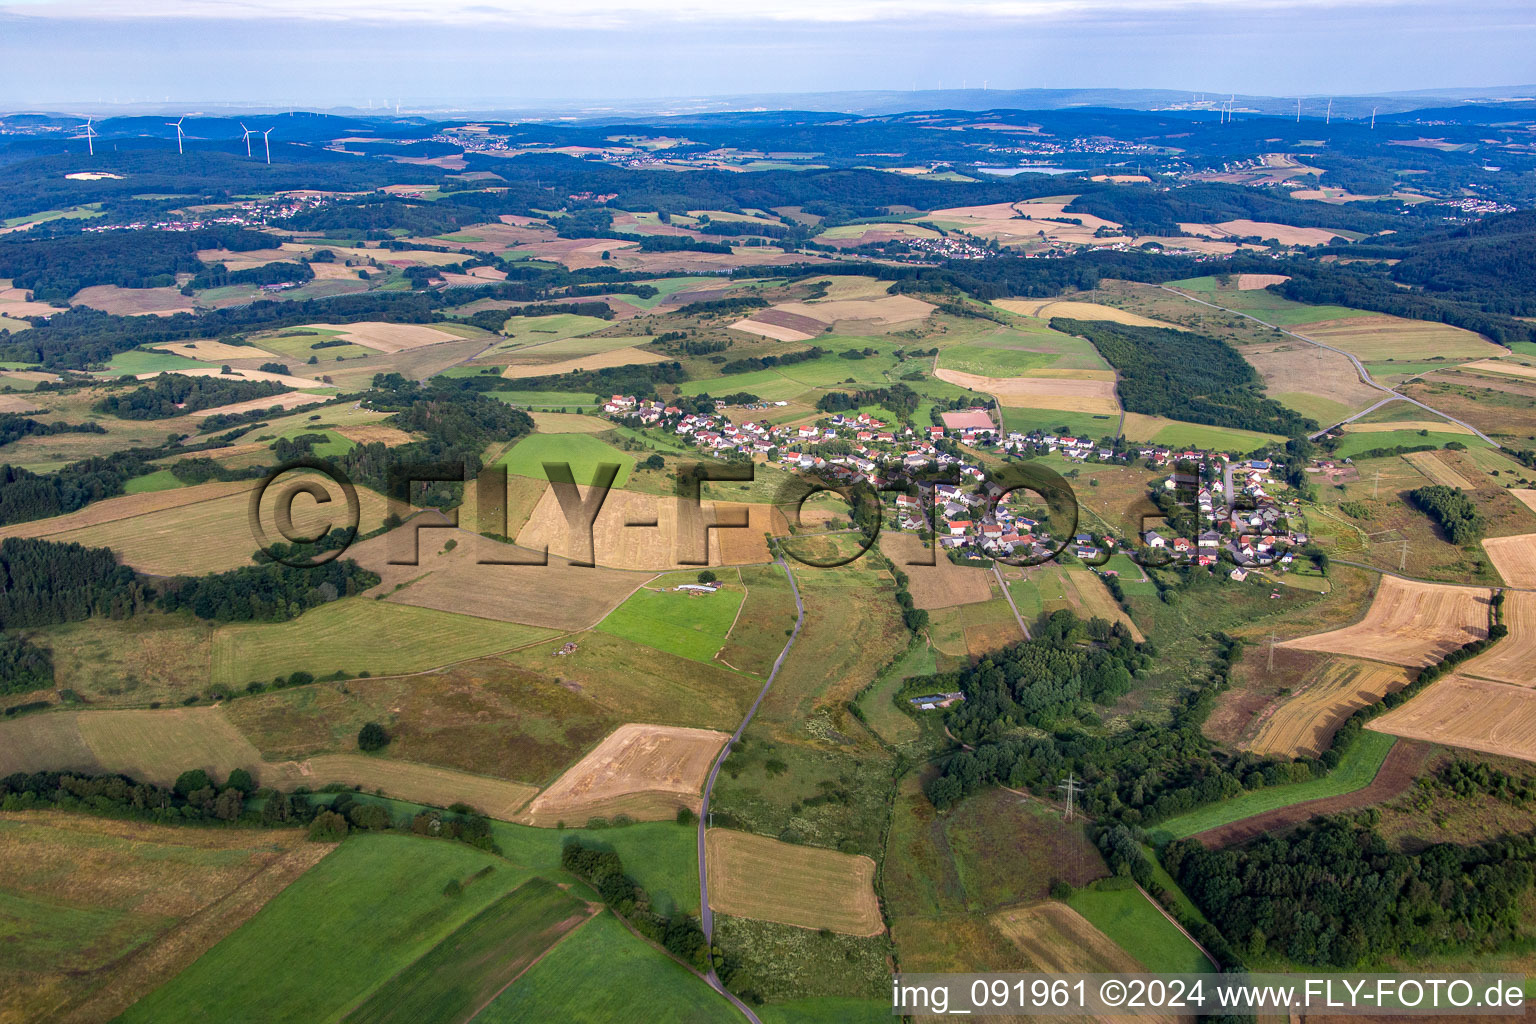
507,52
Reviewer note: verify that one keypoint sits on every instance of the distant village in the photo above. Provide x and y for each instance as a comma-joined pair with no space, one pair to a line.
1229,499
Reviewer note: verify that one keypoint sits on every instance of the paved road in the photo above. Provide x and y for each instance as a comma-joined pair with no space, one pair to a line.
996,572
1365,376
706,916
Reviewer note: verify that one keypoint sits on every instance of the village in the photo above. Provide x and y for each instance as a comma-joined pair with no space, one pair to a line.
1225,505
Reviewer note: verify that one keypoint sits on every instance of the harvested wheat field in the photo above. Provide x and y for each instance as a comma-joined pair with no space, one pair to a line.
886,311
1379,337
1047,308
1299,375
778,332
151,532
17,403
644,771
1012,223
1501,366
109,298
595,361
1095,601
383,337
1495,718
403,780
134,904
1255,282
291,400
214,351
1514,558
1526,495
768,880
1513,659
1438,471
1059,940
556,595
155,746
1303,726
14,302
1064,393
667,531
1439,426
942,584
1409,623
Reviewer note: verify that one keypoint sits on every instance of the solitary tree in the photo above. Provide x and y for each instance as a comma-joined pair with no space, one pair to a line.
372,737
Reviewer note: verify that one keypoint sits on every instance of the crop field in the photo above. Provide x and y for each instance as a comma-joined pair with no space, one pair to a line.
625,355
1478,714
1083,396
212,351
940,585
1176,434
1438,471
1378,336
1135,924
1355,770
1045,309
1303,726
469,968
1526,496
1059,940
292,400
358,942
569,423
1285,234
1263,304
644,771
99,912
645,531
402,780
1513,659
885,311
388,338
581,450
109,298
360,635
1025,222
450,576
1514,557
765,879
299,343
1516,369
689,624
562,985
1409,623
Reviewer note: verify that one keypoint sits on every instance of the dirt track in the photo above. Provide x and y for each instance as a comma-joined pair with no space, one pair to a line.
1397,773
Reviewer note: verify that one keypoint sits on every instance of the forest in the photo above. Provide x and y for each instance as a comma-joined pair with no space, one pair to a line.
173,394
1334,894
14,426
1186,376
273,592
43,583
54,268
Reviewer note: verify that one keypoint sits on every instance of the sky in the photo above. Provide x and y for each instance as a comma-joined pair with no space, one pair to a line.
74,54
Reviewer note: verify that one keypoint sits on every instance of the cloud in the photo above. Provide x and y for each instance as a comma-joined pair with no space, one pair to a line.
621,13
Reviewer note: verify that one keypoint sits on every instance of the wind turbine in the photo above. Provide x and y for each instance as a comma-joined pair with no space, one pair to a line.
1373,117
266,139
246,137
90,136
1298,110
1329,118
177,125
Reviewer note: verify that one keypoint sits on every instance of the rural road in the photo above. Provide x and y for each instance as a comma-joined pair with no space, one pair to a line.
1023,628
1365,376
706,916
1414,579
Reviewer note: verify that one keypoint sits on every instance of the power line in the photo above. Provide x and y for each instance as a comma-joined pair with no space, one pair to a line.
1072,788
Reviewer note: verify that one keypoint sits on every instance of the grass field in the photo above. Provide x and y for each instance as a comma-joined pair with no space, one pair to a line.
1355,771
153,745
417,783
661,855
95,912
583,451
680,622
1159,430
1355,441
1116,908
353,940
601,974
360,634
468,969
754,876
1059,939
1263,304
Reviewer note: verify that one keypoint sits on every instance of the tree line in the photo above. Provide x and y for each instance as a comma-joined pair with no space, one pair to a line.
174,394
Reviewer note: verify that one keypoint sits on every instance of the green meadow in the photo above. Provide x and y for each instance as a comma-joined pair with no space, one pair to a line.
689,625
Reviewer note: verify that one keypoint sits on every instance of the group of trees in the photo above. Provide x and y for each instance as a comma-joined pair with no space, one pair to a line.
24,665
898,399
56,267
276,272
1451,509
679,933
751,363
172,394
1187,376
25,495
14,426
273,592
